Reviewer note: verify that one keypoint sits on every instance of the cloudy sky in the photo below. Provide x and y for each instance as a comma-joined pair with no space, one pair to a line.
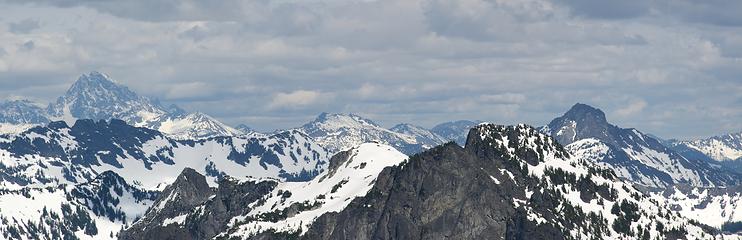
672,68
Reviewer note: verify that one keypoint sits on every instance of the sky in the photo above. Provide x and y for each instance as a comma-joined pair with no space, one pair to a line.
671,68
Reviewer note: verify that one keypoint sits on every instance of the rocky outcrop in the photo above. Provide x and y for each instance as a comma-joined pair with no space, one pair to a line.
161,220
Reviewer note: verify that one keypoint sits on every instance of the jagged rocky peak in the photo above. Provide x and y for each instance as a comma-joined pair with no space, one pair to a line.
581,121
191,188
188,191
97,96
95,85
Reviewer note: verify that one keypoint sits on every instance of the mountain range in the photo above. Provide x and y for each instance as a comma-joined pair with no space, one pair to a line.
96,96
103,162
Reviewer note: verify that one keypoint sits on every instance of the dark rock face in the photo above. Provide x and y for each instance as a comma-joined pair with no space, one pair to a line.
231,199
204,212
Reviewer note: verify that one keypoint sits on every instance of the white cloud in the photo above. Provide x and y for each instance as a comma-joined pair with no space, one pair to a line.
632,108
295,99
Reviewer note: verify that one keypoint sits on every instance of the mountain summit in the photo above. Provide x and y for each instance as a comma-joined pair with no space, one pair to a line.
634,155
591,121
96,96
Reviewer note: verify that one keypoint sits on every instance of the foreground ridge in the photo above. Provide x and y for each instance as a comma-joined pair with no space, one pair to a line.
508,182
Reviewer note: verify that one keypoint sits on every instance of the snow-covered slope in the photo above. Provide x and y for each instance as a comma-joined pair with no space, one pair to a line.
193,126
98,209
632,154
352,176
720,148
338,132
711,206
58,154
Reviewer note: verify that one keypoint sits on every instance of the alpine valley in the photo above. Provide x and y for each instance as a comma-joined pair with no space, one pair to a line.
102,162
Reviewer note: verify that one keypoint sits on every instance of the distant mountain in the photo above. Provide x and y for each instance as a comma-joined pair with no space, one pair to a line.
455,131
632,154
96,96
19,115
509,182
338,132
720,148
22,111
59,154
248,131
194,125
422,135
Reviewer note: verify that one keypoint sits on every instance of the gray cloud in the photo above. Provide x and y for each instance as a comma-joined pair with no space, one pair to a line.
27,46
276,64
713,12
717,12
608,9
24,26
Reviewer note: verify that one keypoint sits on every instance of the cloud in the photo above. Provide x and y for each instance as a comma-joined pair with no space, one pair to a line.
24,26
715,12
608,9
632,108
27,46
295,99
504,98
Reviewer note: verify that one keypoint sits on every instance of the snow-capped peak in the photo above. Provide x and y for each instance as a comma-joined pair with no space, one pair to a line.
338,132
